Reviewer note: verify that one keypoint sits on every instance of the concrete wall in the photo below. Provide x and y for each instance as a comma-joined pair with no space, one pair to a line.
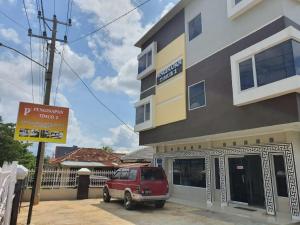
190,195
216,24
61,194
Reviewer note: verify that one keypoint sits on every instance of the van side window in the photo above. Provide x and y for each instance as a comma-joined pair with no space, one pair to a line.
132,174
117,175
124,174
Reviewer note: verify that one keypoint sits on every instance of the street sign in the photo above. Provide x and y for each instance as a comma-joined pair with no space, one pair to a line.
42,123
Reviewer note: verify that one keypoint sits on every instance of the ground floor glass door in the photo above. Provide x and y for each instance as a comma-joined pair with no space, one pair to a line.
246,180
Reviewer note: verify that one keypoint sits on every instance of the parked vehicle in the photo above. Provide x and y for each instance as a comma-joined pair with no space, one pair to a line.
138,184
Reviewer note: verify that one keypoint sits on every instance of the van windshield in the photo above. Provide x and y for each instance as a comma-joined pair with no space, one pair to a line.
152,174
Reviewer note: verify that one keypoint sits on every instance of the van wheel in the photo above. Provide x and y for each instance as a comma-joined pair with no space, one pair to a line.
128,204
106,196
159,204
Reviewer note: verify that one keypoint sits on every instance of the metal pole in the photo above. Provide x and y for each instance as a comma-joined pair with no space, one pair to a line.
35,194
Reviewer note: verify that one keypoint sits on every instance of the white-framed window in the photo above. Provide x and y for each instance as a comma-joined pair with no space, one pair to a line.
236,8
195,27
268,69
197,95
144,114
271,65
146,61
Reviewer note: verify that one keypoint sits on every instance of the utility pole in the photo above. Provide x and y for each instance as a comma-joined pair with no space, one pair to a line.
35,194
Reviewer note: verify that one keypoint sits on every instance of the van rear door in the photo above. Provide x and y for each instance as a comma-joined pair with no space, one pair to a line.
153,181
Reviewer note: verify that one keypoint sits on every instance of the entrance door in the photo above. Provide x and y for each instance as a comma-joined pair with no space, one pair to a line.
246,180
255,181
237,175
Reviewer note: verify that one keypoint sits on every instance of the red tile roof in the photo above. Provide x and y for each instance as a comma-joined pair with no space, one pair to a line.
90,155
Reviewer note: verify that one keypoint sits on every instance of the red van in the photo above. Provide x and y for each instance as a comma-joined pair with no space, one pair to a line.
138,184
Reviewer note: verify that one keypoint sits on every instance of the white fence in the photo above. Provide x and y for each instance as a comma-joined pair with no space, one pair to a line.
65,178
8,174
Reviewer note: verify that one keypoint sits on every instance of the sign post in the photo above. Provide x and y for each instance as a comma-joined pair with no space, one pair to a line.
40,123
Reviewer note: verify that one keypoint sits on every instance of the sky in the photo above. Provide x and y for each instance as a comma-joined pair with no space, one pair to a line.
106,61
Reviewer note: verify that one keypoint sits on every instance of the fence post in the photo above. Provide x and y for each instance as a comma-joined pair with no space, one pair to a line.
22,172
10,194
83,183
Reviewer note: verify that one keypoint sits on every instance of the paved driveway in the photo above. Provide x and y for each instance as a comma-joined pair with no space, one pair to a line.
92,212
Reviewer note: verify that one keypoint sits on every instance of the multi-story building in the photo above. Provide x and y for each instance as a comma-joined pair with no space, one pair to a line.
219,101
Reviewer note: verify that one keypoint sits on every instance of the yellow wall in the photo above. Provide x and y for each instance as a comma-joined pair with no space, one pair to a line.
170,98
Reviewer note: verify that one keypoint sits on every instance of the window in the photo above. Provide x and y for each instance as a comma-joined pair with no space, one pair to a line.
280,175
195,27
159,163
246,74
197,95
132,174
142,113
274,64
296,52
146,61
152,174
275,68
117,174
124,174
235,8
147,111
217,173
189,172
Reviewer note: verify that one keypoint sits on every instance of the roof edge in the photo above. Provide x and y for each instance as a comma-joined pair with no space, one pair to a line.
159,24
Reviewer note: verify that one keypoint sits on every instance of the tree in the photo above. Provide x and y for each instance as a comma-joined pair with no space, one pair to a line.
11,150
107,149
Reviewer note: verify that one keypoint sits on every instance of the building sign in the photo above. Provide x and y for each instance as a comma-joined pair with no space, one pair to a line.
42,123
170,71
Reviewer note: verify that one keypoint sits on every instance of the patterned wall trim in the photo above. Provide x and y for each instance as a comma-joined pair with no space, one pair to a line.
265,152
223,181
208,180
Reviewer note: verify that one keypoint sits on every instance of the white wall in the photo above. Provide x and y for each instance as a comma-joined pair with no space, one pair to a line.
61,194
219,31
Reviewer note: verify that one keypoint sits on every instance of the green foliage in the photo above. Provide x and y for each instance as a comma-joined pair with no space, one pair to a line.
11,150
107,149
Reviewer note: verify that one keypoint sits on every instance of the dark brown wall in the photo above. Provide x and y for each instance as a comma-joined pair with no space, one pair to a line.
220,115
148,81
173,29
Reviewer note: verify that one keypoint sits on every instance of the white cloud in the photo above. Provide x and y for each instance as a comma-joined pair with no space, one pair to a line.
116,44
9,34
15,86
124,82
122,139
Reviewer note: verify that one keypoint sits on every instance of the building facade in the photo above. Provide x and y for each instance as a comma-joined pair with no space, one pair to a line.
220,102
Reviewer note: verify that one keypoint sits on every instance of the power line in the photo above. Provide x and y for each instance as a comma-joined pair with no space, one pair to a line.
59,74
68,18
31,70
14,21
94,95
30,46
26,14
109,23
15,50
